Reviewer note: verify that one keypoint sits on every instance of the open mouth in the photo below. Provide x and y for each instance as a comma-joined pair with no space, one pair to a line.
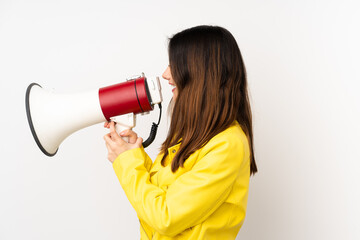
173,87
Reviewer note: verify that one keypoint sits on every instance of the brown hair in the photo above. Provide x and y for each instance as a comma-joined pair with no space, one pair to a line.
210,76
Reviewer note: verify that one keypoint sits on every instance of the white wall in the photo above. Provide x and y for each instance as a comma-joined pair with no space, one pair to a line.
302,59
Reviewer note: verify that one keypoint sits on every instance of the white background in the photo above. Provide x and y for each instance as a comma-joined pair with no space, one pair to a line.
302,59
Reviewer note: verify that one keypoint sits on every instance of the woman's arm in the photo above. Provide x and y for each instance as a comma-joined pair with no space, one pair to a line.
193,197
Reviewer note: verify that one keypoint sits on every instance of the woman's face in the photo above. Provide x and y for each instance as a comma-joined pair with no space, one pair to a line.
167,76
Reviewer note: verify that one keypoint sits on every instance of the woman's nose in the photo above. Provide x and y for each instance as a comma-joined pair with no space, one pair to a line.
166,74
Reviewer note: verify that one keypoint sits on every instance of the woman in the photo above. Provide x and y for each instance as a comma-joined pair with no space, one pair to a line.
197,188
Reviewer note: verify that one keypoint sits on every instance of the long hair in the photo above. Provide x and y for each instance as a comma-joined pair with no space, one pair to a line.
210,77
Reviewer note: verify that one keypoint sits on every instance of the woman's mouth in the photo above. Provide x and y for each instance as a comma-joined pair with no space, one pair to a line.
174,87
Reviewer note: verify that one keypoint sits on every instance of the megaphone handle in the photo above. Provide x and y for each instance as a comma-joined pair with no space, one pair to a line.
119,128
123,122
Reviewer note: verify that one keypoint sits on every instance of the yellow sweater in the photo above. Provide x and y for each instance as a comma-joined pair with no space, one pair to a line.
206,199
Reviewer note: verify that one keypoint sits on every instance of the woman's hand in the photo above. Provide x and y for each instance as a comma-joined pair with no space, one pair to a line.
116,145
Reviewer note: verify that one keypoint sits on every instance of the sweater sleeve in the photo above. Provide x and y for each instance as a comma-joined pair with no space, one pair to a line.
193,196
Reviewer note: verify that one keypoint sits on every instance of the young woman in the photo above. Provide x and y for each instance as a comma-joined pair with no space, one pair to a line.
197,188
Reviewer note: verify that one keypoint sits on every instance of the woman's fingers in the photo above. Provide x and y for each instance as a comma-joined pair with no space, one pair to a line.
112,127
132,136
108,140
114,135
106,124
116,145
139,142
108,147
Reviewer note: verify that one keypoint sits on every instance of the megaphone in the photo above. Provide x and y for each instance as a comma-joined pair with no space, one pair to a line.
53,117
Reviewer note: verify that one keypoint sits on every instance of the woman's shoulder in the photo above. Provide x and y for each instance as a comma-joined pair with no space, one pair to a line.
227,148
234,133
233,139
